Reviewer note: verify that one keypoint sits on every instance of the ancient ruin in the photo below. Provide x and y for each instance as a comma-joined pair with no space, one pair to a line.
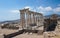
31,19
34,23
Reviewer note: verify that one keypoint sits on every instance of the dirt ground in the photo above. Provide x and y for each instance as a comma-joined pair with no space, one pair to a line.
26,35
7,31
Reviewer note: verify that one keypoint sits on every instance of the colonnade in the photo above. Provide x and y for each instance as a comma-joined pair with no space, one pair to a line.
28,17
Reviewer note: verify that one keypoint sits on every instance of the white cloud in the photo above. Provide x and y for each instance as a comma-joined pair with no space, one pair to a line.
42,12
26,7
48,8
56,9
45,8
31,8
41,8
58,4
14,11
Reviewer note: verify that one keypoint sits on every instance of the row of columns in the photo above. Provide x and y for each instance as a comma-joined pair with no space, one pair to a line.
29,17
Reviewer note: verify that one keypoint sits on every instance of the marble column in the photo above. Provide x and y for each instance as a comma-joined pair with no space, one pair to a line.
26,22
34,17
22,17
29,18
37,20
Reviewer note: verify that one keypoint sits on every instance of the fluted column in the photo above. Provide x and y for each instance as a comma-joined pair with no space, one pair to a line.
29,18
26,22
34,17
22,15
37,19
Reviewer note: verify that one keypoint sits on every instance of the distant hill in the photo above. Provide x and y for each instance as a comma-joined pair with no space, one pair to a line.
52,14
11,21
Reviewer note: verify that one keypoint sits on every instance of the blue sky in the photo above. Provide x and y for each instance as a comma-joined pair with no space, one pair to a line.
9,9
